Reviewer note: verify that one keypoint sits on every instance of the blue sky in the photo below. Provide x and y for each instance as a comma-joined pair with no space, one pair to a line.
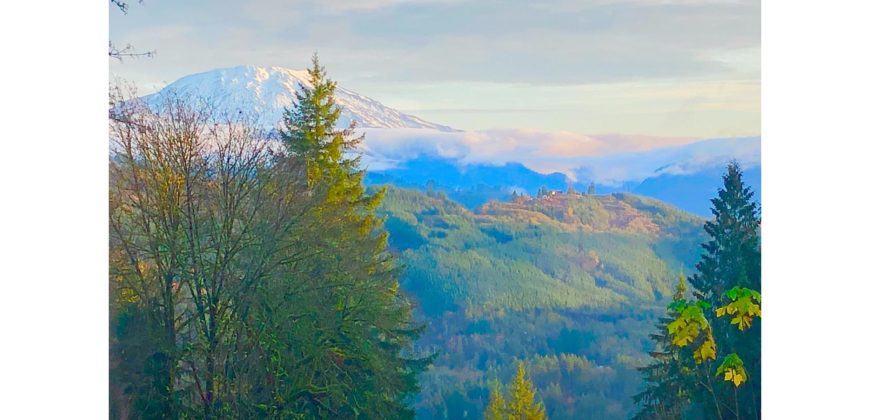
655,67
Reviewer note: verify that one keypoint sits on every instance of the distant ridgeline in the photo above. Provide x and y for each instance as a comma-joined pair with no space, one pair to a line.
560,250
473,185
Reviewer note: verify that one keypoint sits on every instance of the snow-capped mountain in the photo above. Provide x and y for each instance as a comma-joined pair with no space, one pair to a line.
266,91
405,150
688,159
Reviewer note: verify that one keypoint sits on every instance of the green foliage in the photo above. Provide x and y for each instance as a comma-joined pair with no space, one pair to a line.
362,328
707,350
665,393
521,404
249,282
543,280
689,325
744,306
729,269
583,362
497,407
310,128
732,369
265,287
685,329
532,254
732,256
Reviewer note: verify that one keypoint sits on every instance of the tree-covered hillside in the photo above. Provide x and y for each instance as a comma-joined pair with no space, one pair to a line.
557,251
567,283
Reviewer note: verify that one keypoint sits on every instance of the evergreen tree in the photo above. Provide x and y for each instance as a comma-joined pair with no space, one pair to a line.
522,405
732,258
361,324
665,394
590,190
310,132
497,408
721,328
718,326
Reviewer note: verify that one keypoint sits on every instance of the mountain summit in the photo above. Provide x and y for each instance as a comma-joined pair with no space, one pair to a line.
268,90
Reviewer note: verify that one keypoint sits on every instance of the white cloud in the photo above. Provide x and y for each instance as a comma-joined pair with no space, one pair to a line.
544,152
678,160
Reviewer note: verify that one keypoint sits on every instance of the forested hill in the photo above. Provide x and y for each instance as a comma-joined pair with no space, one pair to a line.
563,250
568,283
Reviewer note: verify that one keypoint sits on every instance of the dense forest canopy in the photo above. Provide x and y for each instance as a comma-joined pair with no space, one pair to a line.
570,283
560,251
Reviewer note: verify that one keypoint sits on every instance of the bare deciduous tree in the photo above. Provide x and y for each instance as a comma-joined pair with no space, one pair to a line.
200,211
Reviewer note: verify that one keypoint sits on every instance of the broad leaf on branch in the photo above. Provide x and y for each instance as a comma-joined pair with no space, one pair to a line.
744,305
689,324
707,350
732,368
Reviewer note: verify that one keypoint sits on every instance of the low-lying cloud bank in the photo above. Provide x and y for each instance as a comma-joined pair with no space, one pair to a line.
608,159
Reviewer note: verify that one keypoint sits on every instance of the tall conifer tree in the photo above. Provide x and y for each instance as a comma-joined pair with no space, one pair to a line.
666,392
727,282
522,404
356,362
497,407
732,258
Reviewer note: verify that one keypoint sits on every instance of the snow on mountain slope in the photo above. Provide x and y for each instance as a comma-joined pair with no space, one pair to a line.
268,90
688,159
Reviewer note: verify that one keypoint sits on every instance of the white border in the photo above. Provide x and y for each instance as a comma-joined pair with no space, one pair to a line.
54,175
815,208
53,294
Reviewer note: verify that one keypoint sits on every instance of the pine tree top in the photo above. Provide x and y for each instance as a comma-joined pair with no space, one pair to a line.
309,131
522,403
732,254
680,291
